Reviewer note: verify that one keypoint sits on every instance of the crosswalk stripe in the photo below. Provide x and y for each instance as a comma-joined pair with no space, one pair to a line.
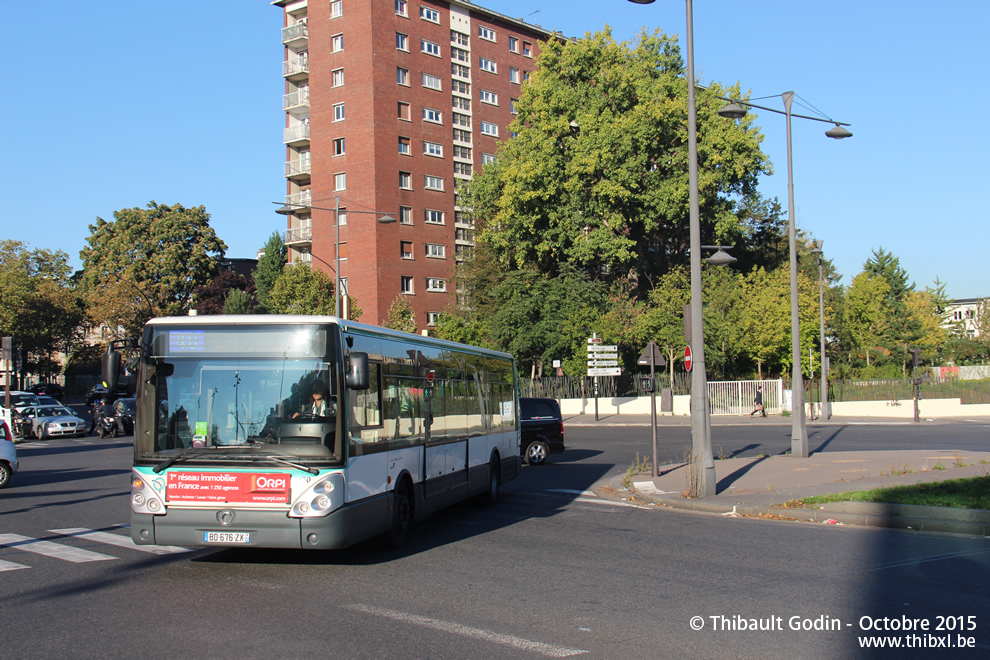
118,540
10,566
49,549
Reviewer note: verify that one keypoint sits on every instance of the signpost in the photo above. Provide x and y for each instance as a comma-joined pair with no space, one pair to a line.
652,356
603,360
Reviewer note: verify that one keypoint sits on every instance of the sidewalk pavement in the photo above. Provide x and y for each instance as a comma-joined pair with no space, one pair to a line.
761,486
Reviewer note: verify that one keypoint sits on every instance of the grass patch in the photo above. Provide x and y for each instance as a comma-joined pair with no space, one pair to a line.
972,493
638,467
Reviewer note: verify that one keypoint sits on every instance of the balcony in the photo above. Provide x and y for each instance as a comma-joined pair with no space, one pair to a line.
296,68
296,103
296,136
299,237
295,36
299,168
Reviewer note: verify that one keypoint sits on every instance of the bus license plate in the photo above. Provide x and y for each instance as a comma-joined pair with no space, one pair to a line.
226,537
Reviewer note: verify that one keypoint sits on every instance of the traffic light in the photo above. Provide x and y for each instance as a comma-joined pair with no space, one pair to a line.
647,384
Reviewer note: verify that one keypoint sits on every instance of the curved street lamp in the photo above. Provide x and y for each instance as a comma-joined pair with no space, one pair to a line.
736,110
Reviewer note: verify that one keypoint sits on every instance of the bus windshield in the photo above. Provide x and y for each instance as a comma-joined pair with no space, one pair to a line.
247,390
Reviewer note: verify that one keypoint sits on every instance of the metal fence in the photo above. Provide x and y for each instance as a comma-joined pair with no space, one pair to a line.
737,397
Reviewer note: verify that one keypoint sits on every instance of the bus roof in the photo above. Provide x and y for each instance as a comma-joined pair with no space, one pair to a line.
345,325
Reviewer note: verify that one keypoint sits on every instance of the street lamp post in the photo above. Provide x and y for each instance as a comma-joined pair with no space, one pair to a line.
385,219
825,413
799,430
702,463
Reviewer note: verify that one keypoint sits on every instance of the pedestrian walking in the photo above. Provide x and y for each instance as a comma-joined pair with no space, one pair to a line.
758,402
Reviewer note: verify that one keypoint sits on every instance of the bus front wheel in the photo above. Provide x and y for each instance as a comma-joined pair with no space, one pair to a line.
494,483
401,515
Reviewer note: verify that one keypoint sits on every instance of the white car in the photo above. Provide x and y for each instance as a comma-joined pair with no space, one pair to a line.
18,402
52,422
8,455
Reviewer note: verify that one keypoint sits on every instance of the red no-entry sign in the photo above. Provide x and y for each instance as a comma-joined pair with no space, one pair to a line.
687,358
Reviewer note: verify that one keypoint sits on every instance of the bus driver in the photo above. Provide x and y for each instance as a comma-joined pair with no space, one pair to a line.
320,407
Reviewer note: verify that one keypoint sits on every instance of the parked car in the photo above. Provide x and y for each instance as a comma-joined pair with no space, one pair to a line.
8,455
18,402
125,409
44,400
542,428
95,393
51,422
50,389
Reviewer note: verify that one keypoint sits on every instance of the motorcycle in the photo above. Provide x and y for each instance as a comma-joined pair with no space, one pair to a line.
107,426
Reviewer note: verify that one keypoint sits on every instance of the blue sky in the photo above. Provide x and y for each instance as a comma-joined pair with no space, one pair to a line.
109,106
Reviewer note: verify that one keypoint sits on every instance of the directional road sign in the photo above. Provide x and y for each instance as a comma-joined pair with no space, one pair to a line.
605,371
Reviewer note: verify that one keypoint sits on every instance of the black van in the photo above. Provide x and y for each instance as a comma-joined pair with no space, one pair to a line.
542,429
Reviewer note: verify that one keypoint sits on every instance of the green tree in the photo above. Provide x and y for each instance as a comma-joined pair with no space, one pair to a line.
887,265
925,308
238,302
866,315
722,293
39,306
597,178
765,318
270,265
302,290
663,319
147,262
401,316
214,296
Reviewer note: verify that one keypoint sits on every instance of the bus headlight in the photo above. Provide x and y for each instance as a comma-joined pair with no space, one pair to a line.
315,498
144,498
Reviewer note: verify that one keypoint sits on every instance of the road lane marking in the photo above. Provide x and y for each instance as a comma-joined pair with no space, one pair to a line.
49,549
118,540
10,566
611,503
550,650
924,560
586,493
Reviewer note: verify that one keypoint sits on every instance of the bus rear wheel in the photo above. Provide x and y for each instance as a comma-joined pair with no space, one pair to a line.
494,483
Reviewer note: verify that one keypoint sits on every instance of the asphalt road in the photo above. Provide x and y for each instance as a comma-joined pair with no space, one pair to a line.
551,571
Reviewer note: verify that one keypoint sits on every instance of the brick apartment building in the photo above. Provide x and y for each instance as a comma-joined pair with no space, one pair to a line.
389,104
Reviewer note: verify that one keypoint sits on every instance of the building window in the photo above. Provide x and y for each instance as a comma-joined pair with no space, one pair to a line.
461,218
527,49
336,43
488,128
462,152
435,284
436,251
407,284
433,217
432,116
342,217
429,47
402,76
464,235
460,87
461,120
401,41
487,159
432,182
432,318
338,147
525,76
338,112
404,146
401,8
432,82
432,149
404,111
514,75
512,106
514,134
460,70
486,33
338,77
488,65
488,97
462,168
406,250
461,103
462,135
427,14
405,215
405,180
340,181
460,55
458,38
514,44
336,9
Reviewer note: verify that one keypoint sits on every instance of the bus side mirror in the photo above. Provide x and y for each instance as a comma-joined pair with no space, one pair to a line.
111,368
357,371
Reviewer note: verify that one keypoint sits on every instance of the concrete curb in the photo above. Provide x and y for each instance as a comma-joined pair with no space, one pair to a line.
973,522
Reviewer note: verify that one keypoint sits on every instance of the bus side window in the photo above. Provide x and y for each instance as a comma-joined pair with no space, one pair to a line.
366,411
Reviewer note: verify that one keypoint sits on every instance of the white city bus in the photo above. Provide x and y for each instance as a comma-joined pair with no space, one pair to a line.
230,451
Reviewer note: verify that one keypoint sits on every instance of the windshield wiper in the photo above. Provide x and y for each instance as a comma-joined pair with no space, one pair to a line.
304,468
164,465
